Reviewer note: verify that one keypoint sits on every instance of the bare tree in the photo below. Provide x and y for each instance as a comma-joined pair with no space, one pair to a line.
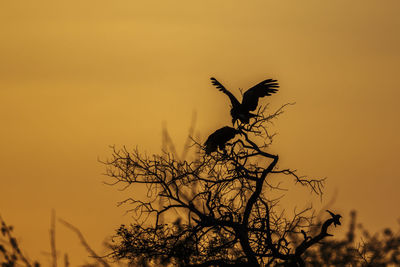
219,207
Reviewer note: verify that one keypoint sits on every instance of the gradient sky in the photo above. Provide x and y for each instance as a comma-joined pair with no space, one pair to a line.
78,76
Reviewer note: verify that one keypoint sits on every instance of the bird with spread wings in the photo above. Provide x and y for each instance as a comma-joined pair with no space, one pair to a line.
241,111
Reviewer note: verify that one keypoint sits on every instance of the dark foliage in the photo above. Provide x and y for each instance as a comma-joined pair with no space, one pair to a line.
10,252
380,249
225,217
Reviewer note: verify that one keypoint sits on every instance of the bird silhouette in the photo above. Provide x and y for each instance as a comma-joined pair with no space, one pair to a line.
335,217
241,111
219,138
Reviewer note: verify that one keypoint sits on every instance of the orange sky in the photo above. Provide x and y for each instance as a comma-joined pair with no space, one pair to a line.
78,76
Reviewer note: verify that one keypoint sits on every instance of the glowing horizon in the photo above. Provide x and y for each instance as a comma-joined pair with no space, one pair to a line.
77,77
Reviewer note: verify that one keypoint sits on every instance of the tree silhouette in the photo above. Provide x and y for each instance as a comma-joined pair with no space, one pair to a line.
218,210
379,249
218,205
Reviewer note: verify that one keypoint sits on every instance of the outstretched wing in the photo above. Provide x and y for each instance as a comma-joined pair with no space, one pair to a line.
234,101
264,88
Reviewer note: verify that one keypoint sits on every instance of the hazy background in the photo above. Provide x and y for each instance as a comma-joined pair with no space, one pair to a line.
78,76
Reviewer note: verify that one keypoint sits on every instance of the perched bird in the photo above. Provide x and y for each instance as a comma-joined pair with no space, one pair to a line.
241,111
335,218
219,138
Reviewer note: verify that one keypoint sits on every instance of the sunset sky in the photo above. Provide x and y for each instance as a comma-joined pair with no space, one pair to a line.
79,76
